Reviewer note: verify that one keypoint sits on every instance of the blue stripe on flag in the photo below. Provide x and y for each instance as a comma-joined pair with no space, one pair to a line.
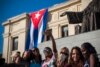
44,23
35,38
28,36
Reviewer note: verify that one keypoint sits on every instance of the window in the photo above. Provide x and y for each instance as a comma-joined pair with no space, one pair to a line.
47,37
64,30
15,43
77,29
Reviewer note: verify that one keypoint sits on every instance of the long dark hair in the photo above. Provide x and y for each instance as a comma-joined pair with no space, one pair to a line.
90,49
28,58
39,55
81,58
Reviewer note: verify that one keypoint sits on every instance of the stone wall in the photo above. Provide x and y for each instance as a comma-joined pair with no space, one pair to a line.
76,40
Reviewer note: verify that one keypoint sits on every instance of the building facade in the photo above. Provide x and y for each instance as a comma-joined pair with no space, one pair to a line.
15,28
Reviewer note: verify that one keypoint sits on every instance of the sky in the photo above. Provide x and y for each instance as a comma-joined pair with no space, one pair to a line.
11,8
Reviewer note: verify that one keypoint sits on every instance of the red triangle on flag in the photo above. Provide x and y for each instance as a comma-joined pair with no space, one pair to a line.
36,17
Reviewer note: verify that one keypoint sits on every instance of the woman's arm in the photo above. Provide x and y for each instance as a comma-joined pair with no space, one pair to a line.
53,42
92,60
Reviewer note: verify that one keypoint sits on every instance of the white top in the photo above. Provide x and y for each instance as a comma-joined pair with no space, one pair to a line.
49,63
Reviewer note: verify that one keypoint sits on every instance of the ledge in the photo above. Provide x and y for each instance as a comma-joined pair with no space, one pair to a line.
15,18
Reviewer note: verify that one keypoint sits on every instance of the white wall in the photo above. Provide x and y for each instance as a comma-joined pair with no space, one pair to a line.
76,40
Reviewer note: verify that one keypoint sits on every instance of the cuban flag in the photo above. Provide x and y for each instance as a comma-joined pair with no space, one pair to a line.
38,22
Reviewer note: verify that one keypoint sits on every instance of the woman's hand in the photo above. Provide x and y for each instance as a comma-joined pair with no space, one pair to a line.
48,32
59,63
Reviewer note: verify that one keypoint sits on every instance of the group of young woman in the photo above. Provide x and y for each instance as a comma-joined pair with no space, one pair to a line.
86,56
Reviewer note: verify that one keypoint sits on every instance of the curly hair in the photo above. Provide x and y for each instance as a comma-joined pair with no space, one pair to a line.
81,58
90,49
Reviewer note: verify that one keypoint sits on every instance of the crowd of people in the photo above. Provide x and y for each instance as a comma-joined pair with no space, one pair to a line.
86,56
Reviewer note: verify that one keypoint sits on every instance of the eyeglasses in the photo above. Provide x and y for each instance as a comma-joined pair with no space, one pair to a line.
63,53
34,51
45,51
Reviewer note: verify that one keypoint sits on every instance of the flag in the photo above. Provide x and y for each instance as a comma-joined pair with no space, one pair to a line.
38,22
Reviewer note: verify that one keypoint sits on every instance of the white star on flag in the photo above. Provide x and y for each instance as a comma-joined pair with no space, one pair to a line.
37,15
